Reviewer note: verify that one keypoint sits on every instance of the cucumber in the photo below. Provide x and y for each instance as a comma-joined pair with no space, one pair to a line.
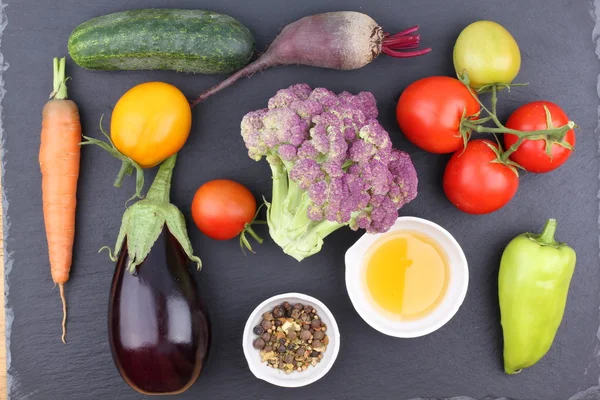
196,41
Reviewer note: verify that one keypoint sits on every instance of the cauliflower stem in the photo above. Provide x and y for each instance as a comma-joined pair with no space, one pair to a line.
289,225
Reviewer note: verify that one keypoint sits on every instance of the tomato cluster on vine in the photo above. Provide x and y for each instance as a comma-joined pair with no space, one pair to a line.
440,114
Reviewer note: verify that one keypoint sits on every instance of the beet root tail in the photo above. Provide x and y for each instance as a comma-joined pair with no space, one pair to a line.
261,63
407,39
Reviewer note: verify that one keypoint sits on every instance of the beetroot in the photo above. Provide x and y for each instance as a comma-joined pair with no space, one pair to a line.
342,40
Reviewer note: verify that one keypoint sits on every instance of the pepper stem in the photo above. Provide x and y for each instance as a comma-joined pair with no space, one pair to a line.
547,235
59,90
161,186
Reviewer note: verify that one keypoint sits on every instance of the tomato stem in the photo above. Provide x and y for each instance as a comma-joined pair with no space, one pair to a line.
126,169
127,165
551,134
248,228
244,243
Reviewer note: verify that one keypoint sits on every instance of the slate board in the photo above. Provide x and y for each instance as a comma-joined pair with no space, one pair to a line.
462,358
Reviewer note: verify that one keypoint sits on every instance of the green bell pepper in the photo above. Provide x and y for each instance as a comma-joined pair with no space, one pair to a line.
533,283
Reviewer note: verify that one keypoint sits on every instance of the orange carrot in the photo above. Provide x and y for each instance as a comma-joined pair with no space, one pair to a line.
59,162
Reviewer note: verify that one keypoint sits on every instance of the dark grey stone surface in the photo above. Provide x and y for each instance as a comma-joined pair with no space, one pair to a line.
462,358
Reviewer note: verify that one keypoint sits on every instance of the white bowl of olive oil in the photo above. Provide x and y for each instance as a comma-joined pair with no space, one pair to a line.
409,281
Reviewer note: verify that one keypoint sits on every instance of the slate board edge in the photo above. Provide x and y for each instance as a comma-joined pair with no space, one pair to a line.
8,261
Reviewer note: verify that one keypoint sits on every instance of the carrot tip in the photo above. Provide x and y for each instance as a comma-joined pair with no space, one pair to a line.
64,305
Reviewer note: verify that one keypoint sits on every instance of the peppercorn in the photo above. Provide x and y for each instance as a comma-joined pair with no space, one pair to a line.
258,330
266,324
305,335
305,318
278,312
295,350
268,316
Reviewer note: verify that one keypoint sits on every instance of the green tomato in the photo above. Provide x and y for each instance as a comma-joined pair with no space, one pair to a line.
488,53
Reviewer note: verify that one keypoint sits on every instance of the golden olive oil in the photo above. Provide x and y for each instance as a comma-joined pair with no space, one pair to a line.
407,274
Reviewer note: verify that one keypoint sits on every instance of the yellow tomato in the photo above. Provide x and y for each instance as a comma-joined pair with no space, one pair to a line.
488,53
150,123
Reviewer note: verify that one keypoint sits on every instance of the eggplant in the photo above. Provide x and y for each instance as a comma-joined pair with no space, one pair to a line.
158,328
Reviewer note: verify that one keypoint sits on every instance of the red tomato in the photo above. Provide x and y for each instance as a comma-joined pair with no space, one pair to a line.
221,208
429,112
474,183
531,154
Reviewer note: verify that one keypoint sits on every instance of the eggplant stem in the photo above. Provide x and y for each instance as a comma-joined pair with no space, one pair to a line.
161,187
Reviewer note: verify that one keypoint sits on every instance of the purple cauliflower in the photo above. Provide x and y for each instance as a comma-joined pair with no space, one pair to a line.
333,165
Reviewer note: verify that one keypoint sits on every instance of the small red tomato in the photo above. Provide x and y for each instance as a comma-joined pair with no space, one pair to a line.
531,154
221,208
429,112
475,183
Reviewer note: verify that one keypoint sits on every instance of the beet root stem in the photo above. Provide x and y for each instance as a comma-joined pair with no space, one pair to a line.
403,41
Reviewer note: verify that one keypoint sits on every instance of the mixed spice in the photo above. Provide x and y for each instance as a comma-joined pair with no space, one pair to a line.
291,338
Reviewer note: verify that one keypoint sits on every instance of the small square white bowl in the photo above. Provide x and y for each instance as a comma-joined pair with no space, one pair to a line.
295,379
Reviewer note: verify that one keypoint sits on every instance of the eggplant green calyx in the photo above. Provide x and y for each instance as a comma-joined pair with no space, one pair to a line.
144,221
127,166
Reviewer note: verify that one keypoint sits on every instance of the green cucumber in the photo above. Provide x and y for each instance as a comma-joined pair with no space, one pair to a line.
196,41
